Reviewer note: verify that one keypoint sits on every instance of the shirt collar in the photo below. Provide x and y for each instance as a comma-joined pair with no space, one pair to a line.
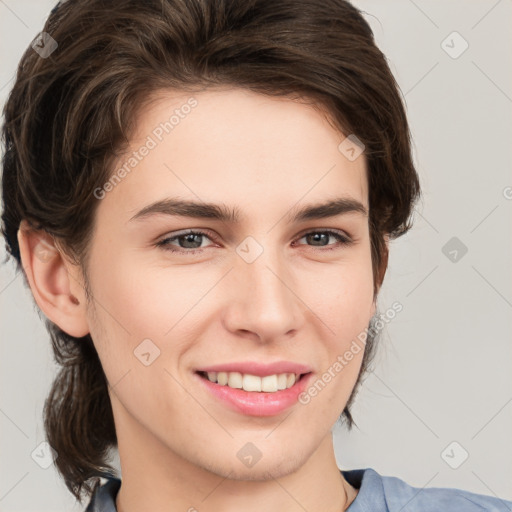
370,496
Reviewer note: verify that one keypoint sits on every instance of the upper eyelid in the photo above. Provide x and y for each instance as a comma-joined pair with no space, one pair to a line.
340,232
179,234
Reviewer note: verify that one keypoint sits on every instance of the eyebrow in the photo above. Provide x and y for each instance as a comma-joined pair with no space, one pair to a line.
222,212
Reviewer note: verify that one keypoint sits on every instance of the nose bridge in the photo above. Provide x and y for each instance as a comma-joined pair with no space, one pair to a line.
268,305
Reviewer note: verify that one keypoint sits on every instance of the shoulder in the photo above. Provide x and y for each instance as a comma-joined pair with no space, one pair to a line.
398,493
392,494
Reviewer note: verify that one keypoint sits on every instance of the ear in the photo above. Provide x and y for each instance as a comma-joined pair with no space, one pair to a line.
382,271
56,284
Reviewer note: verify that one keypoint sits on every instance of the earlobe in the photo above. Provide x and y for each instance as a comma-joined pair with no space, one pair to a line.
53,281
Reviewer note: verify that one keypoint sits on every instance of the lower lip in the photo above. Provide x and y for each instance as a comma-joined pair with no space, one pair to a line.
254,403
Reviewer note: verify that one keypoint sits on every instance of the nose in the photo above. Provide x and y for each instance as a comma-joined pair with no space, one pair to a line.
264,299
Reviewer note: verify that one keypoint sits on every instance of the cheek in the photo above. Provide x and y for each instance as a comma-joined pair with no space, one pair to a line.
343,295
139,300
126,313
149,300
344,304
344,307
136,302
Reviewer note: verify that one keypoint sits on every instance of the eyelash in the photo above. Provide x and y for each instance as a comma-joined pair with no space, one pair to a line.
165,243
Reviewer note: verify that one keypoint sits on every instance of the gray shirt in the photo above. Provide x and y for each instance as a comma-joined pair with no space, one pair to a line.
376,494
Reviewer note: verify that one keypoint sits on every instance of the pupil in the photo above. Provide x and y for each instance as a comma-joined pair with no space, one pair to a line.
189,239
316,235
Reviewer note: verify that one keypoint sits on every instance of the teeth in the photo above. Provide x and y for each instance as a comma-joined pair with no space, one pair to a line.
247,382
235,380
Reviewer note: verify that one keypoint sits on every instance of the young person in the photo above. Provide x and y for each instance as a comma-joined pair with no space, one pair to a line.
200,195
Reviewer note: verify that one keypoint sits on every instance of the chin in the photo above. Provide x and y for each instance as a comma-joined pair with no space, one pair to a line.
260,472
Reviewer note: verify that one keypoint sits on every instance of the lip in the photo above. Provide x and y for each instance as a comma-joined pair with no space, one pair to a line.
254,403
259,369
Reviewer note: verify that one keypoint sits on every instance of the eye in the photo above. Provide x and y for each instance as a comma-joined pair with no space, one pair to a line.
190,242
319,237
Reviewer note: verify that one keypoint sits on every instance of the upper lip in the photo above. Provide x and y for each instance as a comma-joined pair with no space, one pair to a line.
259,369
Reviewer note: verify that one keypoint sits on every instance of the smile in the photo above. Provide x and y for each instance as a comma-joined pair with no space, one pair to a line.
253,395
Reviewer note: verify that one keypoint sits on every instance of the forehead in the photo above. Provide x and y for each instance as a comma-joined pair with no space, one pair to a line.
235,147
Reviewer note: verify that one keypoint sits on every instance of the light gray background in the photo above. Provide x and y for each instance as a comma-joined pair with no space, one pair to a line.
443,371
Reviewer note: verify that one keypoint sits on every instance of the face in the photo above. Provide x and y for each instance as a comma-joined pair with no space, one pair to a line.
268,287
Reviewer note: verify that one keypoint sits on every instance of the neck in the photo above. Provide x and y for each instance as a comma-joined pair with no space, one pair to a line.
156,478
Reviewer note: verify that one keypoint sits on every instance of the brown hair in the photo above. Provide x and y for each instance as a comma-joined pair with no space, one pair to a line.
71,112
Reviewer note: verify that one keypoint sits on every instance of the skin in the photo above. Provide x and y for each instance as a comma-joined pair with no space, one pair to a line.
297,301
